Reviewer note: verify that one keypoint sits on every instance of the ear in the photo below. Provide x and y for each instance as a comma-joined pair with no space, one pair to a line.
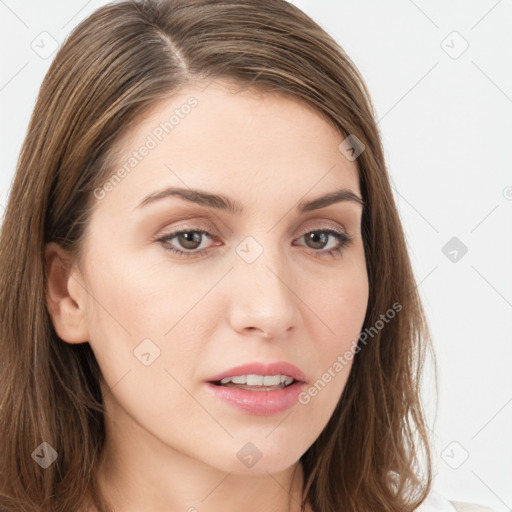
65,295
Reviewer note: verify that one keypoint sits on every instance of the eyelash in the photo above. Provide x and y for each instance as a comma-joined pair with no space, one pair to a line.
343,239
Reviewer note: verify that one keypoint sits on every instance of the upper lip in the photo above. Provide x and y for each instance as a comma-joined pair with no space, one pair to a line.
265,369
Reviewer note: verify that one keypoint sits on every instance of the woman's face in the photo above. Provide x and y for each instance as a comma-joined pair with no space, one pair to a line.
262,279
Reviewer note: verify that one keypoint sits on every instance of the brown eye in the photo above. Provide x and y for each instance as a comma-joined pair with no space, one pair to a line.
316,239
186,242
319,239
189,239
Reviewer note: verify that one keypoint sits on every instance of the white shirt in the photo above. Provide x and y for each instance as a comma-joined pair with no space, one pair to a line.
435,502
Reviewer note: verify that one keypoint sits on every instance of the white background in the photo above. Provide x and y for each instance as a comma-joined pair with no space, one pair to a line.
446,123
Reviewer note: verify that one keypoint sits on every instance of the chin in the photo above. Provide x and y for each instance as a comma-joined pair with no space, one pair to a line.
261,457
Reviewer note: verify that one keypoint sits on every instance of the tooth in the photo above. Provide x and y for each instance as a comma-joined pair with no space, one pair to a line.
272,380
259,380
254,380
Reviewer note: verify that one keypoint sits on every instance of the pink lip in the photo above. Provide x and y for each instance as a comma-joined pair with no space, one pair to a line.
260,402
278,368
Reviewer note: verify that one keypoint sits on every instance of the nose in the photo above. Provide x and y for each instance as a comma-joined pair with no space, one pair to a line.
262,299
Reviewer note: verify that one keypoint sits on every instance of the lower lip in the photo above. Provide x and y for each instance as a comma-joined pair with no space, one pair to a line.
259,403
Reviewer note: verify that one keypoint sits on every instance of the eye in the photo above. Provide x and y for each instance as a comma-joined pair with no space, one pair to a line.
192,241
188,239
319,239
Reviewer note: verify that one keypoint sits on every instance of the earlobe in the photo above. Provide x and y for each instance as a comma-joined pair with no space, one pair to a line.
64,299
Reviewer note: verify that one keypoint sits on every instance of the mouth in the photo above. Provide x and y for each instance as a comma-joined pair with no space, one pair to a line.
253,382
260,389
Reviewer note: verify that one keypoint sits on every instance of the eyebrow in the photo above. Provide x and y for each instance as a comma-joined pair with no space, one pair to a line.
221,202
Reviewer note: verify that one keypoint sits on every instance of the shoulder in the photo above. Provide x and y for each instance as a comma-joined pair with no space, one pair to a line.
435,502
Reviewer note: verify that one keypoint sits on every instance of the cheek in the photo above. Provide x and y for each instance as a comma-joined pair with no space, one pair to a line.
142,336
341,303
340,307
145,296
148,317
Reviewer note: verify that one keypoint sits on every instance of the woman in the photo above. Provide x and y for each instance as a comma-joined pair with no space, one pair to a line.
206,295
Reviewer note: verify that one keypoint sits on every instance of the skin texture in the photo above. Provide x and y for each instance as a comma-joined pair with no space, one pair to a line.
171,444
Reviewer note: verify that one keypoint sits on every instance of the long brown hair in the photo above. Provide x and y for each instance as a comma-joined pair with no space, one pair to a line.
114,66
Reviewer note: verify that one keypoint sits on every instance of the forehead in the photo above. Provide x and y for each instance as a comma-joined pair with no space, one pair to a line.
256,146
